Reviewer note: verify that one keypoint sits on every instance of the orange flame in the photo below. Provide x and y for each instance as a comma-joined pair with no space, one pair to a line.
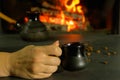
72,6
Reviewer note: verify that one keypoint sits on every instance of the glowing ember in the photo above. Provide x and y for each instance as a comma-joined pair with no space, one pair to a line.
72,15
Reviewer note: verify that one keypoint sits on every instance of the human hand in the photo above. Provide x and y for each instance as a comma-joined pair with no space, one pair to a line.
36,61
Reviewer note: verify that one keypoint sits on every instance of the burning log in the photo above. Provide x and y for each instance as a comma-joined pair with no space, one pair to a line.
72,16
68,15
55,27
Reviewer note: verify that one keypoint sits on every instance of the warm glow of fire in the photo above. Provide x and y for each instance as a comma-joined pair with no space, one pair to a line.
72,7
70,26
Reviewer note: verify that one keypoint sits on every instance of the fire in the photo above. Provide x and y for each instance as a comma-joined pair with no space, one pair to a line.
71,7
63,17
71,26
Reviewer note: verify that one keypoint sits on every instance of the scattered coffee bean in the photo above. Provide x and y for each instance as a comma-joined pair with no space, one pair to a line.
90,50
106,48
105,62
109,53
114,53
98,51
88,54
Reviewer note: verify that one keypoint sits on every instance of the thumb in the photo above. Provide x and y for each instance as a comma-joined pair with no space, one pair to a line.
56,43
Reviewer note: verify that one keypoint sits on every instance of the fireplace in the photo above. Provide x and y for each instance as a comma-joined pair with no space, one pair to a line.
93,15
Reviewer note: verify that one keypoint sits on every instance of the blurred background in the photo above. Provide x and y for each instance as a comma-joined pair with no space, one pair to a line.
94,15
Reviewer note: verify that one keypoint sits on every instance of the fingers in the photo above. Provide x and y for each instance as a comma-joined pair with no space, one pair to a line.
48,64
51,60
56,43
39,75
45,60
42,68
53,49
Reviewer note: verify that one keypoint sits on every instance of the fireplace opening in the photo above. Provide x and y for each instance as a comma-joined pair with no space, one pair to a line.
70,15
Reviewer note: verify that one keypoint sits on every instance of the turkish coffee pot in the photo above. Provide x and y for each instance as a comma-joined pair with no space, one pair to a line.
31,28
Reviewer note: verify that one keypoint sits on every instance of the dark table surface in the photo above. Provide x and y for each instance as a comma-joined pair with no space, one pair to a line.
95,70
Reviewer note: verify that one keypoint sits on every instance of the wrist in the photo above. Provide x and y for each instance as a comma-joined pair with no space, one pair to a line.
5,64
